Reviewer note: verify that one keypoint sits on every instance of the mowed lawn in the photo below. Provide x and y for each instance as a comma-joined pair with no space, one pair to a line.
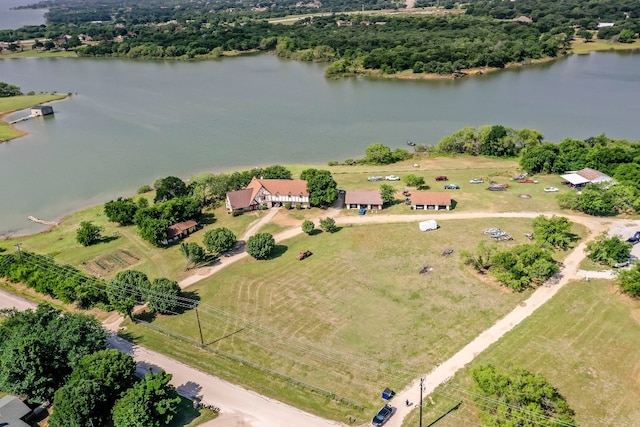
122,248
352,319
459,170
585,341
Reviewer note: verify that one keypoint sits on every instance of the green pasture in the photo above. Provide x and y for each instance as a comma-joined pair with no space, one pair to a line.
580,47
352,319
15,103
585,341
122,247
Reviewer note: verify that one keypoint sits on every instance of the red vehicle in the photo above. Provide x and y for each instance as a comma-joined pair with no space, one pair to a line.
441,178
303,254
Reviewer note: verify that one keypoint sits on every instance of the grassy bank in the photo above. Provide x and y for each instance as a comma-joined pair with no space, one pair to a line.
15,103
585,341
344,320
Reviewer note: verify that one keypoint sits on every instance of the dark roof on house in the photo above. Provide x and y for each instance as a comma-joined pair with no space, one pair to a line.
428,198
363,198
11,410
179,228
240,199
40,107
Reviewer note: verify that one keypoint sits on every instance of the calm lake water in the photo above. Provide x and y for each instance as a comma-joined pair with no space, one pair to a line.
12,19
130,122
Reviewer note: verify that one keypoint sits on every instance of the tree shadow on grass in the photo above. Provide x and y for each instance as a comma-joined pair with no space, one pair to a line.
278,251
207,218
146,316
107,239
454,203
193,297
315,232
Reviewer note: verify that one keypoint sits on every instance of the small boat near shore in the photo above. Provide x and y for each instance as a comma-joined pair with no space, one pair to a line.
411,143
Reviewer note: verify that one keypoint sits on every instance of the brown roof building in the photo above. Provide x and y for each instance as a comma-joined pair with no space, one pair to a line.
363,200
270,193
428,200
180,230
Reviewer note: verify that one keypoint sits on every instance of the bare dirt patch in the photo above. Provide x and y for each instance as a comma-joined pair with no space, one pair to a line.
109,263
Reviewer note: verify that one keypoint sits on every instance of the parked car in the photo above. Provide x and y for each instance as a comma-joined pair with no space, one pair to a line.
635,238
374,178
550,189
406,193
362,211
497,188
383,415
476,181
519,177
303,254
451,187
392,178
441,178
527,181
621,264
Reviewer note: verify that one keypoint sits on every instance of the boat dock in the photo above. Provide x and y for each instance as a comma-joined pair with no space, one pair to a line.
22,119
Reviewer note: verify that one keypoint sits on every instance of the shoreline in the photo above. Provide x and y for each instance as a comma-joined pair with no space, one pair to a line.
21,133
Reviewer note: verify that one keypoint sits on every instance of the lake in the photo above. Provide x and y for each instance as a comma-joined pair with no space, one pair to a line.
12,19
129,123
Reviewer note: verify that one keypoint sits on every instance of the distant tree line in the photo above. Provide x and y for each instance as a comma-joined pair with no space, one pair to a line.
7,90
587,14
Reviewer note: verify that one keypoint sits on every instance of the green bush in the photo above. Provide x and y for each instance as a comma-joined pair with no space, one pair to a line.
144,189
287,205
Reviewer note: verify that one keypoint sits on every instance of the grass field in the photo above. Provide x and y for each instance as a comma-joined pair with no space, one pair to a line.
124,249
585,341
352,319
15,103
580,47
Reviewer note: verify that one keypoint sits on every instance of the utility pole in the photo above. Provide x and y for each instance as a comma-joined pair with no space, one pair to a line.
421,388
19,248
199,327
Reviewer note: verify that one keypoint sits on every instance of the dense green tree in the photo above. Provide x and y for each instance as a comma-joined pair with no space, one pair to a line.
7,90
163,296
39,349
387,193
260,245
219,240
322,188
510,397
378,154
523,266
127,289
328,225
88,233
114,370
540,158
276,172
169,188
193,253
121,210
630,281
78,404
628,173
608,250
554,232
498,143
308,227
152,230
413,180
152,402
